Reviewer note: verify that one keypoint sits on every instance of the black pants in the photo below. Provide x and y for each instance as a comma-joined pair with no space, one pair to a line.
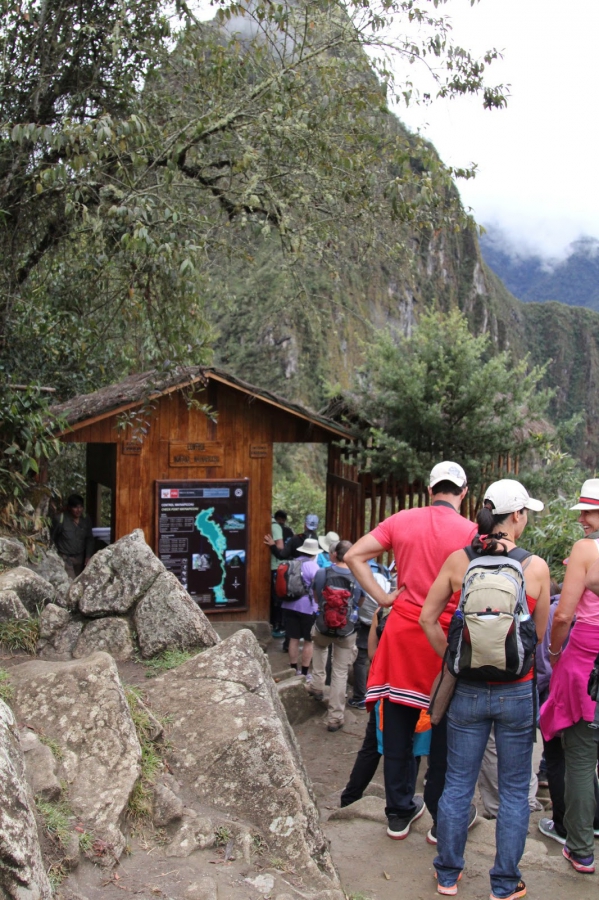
399,724
365,765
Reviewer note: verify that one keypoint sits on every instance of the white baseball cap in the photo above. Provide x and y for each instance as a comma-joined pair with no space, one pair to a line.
509,496
589,495
448,471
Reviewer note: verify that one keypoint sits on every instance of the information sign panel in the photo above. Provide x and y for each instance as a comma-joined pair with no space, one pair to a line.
202,534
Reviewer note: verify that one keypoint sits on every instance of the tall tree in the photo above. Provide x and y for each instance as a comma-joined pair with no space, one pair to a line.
439,394
134,148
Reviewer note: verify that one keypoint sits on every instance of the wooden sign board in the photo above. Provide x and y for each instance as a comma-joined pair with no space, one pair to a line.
259,451
132,448
203,453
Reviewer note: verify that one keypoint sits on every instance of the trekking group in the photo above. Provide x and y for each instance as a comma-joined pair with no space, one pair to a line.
455,648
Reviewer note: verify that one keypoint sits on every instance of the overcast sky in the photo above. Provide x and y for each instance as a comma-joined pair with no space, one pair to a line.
538,160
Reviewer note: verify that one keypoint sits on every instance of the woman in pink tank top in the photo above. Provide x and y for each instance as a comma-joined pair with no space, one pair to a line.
569,709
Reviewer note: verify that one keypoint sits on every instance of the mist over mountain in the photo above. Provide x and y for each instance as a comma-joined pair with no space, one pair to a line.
572,279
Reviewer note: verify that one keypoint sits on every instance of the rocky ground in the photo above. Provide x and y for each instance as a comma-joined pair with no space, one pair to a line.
240,864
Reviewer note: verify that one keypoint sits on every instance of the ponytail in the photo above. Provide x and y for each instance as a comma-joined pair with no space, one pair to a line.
488,540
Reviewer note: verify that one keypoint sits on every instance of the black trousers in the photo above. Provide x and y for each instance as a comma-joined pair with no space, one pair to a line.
399,724
365,765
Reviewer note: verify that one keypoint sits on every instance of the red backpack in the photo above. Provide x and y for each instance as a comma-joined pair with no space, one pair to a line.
337,597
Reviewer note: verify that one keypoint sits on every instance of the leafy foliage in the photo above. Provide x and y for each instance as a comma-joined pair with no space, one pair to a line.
439,394
552,535
6,688
26,438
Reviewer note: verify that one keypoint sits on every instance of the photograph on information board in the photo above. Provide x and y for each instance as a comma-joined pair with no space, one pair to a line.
202,539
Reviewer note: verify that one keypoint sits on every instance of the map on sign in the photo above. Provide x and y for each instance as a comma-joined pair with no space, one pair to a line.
202,539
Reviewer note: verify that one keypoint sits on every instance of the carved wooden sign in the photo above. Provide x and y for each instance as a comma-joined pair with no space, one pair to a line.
201,453
132,448
259,451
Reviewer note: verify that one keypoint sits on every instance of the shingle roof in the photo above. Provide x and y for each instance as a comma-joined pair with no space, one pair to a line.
148,385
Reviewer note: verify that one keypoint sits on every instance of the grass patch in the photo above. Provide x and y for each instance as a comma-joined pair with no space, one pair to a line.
140,801
6,688
52,745
57,819
20,634
222,835
86,841
168,659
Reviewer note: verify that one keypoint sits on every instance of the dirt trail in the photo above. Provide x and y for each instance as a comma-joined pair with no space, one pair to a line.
373,866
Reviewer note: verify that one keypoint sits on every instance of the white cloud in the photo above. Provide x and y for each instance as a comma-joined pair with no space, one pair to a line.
537,159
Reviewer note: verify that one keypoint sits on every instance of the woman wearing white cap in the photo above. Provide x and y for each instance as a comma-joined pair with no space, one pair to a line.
478,705
569,709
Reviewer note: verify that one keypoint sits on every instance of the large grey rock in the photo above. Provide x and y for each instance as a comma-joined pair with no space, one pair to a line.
33,590
167,618
11,607
59,633
51,567
81,705
112,634
115,578
166,806
40,766
233,745
12,553
22,873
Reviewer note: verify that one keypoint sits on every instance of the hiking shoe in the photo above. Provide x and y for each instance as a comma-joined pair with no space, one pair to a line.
584,864
448,890
519,892
398,827
357,704
335,727
316,695
431,836
542,778
276,633
547,827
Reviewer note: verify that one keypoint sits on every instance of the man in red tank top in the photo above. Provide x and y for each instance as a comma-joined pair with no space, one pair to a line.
405,665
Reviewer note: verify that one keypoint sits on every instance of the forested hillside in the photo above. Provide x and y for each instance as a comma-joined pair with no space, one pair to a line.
175,192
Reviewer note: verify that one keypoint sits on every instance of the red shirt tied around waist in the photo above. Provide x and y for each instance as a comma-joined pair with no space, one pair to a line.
405,665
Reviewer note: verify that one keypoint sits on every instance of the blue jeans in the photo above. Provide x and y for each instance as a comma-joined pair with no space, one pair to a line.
474,708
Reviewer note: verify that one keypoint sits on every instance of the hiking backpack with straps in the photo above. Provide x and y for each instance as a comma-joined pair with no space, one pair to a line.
289,583
337,603
492,636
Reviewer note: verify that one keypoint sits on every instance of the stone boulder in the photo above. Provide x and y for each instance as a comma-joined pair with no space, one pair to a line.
115,578
124,600
168,617
40,766
22,872
112,634
82,707
51,567
59,633
32,590
232,745
12,553
11,607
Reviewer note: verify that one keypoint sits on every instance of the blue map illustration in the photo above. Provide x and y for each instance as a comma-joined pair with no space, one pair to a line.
211,530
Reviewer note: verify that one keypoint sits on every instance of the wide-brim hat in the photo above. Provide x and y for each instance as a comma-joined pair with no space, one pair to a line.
331,537
309,547
589,495
508,496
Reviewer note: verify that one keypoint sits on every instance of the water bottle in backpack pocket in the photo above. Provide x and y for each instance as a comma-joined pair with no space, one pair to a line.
492,636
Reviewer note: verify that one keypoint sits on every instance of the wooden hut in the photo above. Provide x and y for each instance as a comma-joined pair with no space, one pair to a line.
189,459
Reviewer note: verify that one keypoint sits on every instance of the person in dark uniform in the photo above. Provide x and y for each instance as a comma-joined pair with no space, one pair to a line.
72,536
